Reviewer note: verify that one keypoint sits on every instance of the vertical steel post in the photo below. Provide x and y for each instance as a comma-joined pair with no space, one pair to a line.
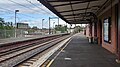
42,24
49,25
15,17
70,28
58,21
15,24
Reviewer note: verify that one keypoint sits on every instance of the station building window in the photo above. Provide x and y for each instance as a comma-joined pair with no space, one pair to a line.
107,30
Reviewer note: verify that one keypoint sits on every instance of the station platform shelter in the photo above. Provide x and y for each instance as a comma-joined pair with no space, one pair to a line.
101,16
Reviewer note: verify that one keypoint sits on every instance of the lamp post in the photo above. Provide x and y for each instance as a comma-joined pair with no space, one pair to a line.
49,25
42,23
70,28
15,22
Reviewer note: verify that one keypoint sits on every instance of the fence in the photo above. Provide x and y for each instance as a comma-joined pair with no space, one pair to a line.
11,33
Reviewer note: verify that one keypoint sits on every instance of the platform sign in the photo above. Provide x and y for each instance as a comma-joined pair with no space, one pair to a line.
106,30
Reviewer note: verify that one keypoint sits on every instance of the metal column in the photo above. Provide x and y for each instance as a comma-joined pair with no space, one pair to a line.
49,25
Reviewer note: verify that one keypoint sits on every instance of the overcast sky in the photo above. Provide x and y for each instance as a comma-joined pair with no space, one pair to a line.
30,11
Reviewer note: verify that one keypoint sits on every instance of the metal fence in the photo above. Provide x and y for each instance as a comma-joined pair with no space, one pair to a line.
11,33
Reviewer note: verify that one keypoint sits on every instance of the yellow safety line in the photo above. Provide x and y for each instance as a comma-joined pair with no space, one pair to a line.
49,64
44,64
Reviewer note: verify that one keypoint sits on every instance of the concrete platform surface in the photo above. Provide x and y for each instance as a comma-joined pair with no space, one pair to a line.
79,53
28,37
10,40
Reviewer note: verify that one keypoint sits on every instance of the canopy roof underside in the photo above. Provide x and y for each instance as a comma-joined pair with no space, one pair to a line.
75,11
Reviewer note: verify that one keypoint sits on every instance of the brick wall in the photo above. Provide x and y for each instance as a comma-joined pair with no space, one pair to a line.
109,46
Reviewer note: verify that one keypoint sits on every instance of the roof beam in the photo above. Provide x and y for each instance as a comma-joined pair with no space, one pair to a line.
102,6
72,10
69,0
80,22
76,14
61,0
78,9
72,17
74,3
86,9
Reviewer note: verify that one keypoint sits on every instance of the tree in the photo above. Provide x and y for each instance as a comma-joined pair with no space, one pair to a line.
1,23
35,27
61,28
4,27
2,20
78,29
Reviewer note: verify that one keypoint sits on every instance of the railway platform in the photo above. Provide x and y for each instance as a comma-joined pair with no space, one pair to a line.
20,39
11,40
80,53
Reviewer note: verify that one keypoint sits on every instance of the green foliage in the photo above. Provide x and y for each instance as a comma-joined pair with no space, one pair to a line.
31,31
61,28
6,29
1,27
78,29
2,20
4,25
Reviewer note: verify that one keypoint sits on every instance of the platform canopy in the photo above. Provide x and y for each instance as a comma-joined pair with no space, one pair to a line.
75,11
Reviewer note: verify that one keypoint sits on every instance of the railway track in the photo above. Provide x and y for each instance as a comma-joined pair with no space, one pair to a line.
11,49
11,46
11,59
